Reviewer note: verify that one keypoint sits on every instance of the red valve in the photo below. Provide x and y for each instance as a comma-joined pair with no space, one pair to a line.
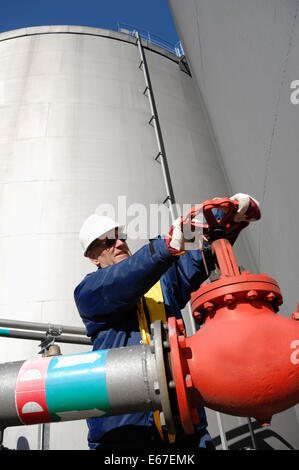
239,361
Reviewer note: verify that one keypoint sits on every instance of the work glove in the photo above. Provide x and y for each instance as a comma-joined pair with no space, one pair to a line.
248,210
181,238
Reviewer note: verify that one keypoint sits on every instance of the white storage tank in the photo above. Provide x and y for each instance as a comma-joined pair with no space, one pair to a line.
75,134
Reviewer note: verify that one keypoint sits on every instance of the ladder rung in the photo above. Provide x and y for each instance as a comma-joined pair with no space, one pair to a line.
159,155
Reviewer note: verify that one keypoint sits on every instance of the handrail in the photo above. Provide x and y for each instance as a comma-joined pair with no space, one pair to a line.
176,48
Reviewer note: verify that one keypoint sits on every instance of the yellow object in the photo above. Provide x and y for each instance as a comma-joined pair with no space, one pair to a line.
158,423
155,303
143,326
155,306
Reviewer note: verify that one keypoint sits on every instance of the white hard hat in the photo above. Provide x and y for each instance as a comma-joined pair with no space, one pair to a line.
94,227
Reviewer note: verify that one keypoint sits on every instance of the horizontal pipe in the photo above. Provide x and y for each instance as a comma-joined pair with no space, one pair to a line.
78,386
42,336
27,325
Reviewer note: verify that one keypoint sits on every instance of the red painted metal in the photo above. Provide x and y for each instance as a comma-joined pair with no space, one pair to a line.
180,371
31,391
244,360
226,205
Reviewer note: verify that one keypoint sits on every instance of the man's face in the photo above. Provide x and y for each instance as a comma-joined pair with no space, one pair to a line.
108,250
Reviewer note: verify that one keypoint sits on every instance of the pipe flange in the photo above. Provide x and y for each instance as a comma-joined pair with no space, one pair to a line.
158,351
246,287
177,341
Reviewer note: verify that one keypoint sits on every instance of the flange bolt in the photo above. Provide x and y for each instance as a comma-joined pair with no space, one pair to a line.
209,306
252,295
197,315
270,297
229,299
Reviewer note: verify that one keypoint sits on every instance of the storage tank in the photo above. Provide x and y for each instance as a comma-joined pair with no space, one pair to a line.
76,134
244,59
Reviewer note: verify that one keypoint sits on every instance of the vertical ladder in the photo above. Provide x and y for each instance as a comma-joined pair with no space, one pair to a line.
161,156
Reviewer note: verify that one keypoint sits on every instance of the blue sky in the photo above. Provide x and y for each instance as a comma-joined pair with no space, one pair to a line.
150,15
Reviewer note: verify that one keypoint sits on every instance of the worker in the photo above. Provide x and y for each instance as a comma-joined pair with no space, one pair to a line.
119,300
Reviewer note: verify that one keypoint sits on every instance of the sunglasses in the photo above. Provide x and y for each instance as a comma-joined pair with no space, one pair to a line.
109,242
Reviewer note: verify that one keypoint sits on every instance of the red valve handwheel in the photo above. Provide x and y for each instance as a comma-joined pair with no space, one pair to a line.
226,205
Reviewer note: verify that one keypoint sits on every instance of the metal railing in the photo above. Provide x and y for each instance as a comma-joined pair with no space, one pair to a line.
176,48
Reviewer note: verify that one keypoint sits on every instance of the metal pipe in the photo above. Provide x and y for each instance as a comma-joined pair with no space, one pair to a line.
44,436
44,428
221,431
251,434
77,386
40,336
27,325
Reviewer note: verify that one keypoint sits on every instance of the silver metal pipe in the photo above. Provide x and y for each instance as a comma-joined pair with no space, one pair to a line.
251,434
44,428
221,431
78,386
31,335
27,325
44,436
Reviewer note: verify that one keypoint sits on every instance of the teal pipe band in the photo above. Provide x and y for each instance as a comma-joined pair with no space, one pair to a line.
76,386
4,332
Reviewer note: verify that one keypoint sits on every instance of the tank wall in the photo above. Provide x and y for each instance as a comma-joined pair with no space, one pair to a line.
74,134
243,57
